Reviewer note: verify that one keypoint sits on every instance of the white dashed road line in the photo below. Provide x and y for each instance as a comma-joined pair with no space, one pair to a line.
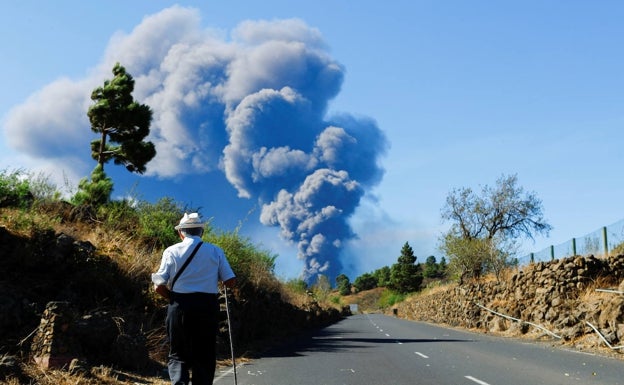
471,378
477,380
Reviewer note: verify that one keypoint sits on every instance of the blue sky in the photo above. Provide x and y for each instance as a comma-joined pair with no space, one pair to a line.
435,95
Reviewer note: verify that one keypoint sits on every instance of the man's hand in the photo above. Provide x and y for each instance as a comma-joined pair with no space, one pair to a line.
163,290
230,283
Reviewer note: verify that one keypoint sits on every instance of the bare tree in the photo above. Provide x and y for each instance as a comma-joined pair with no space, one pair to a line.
484,227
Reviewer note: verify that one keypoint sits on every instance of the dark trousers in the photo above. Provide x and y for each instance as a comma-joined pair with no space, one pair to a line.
192,324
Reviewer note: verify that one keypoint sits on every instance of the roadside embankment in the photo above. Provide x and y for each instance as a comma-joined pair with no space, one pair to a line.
561,298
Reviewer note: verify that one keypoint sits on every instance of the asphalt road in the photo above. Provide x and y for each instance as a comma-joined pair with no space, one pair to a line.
374,349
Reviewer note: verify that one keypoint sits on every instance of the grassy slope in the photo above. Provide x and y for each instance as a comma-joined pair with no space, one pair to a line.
120,264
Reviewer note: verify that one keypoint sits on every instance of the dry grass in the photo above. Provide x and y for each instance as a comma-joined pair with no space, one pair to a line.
26,223
101,375
502,303
367,301
10,381
589,293
294,298
437,287
505,274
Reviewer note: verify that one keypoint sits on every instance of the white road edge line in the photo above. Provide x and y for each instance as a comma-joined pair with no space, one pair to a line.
476,380
229,371
420,354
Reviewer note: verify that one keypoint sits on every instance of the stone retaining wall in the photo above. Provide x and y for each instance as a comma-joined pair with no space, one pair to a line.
551,294
63,336
54,345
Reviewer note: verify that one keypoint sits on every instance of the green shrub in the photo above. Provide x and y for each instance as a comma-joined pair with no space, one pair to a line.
296,285
15,189
157,222
119,216
42,188
321,288
95,192
28,221
389,298
250,263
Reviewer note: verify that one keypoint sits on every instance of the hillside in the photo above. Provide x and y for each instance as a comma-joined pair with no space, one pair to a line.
77,295
575,302
367,301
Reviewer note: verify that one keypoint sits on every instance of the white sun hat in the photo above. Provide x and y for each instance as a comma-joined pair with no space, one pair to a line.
189,221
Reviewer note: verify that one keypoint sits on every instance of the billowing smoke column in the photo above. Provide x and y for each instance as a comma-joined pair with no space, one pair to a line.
253,107
308,174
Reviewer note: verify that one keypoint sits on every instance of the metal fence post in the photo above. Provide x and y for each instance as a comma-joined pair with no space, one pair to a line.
573,246
604,240
552,252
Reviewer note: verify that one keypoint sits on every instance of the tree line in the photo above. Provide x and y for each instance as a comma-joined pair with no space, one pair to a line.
483,238
404,276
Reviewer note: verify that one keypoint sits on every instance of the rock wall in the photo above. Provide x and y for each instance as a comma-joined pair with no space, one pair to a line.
559,296
54,345
63,336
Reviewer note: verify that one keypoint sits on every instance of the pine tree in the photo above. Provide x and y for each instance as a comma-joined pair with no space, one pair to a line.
95,192
343,284
383,276
431,267
116,116
405,275
365,281
442,267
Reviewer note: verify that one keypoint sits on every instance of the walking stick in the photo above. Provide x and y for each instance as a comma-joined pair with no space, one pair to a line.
227,311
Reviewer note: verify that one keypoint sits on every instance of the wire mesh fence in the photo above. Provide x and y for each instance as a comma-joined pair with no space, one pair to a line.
599,243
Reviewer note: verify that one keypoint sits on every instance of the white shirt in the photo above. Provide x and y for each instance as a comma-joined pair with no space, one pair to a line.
202,274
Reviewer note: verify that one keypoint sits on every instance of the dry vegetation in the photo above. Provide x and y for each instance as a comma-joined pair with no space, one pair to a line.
368,301
101,375
121,241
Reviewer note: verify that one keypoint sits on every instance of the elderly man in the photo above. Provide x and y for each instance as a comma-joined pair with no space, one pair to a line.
188,276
